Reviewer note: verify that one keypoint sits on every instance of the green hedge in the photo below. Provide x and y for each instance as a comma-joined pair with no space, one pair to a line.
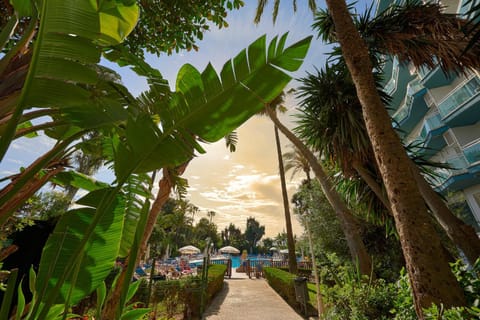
283,283
216,273
301,272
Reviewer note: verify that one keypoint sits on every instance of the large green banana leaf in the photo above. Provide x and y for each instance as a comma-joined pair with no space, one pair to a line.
67,44
97,256
208,106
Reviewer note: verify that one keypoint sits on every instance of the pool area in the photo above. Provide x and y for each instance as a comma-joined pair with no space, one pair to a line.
236,259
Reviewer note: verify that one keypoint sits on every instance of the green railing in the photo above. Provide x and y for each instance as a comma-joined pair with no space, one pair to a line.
459,96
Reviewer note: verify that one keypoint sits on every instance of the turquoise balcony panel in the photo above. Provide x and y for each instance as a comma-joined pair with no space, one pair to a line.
387,69
412,111
462,106
464,172
472,153
459,181
433,142
403,79
433,78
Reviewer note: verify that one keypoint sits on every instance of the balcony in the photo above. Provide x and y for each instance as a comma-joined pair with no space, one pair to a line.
403,77
472,152
462,106
430,139
465,170
433,78
414,108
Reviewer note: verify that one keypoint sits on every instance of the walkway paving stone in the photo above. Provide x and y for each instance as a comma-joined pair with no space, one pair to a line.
243,298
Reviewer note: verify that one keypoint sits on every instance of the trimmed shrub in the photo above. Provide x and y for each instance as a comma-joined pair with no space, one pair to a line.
283,283
300,272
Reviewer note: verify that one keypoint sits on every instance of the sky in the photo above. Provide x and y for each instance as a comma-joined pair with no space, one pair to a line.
246,182
235,185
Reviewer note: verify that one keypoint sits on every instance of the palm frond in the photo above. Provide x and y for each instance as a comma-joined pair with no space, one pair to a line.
420,33
231,141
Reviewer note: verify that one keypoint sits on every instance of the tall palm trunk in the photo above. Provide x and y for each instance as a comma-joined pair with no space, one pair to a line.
349,223
292,257
430,275
372,184
463,235
320,306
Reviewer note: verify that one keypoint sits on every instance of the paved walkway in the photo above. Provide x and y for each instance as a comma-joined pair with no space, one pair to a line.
243,298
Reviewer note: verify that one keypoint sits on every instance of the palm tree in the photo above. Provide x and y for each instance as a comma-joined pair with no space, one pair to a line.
426,262
276,105
210,215
262,3
297,162
349,222
331,122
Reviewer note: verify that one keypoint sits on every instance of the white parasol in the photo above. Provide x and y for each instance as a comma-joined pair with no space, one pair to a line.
189,250
229,249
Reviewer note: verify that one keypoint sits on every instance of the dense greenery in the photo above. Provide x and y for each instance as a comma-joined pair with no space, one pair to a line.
59,73
182,296
172,25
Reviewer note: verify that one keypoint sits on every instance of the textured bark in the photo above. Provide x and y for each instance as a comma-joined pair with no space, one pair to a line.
348,221
430,275
463,235
373,185
292,258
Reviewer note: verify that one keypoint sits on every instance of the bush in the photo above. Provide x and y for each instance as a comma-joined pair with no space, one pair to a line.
359,299
183,296
283,283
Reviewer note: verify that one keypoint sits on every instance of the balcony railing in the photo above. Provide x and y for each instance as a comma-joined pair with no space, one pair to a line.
431,123
459,96
458,165
472,152
412,88
392,83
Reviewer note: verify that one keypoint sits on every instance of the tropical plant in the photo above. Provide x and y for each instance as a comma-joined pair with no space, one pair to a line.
205,106
330,121
277,105
424,266
253,232
298,161
350,224
262,3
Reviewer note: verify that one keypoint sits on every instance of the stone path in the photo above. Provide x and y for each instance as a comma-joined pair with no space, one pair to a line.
243,298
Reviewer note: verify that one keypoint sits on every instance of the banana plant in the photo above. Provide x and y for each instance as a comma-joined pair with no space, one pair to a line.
61,64
205,106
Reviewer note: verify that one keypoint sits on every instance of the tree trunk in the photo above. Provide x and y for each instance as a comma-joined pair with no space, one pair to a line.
430,275
373,185
292,257
320,306
349,223
463,235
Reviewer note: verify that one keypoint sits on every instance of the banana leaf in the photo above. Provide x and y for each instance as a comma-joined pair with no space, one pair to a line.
97,257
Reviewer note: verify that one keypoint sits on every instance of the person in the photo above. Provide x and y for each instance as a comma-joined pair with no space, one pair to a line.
259,271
